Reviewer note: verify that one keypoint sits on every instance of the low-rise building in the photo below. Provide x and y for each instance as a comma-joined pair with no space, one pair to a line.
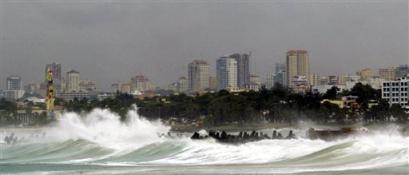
396,92
67,96
300,84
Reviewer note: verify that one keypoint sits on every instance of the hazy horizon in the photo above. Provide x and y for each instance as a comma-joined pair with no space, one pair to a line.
110,41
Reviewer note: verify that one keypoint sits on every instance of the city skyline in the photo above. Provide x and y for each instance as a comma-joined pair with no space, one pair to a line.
115,41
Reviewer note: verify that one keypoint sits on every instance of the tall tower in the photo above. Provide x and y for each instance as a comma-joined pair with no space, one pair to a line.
243,69
50,96
198,76
226,69
57,76
298,64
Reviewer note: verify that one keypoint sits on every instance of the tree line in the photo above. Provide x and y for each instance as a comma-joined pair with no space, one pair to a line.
278,104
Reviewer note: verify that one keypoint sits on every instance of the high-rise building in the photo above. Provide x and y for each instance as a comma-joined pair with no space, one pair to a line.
297,64
314,79
402,71
243,69
269,83
14,83
279,67
280,78
365,74
183,85
73,81
14,88
141,83
198,76
226,69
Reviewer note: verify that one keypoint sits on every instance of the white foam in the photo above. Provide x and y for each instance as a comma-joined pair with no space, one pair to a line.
105,128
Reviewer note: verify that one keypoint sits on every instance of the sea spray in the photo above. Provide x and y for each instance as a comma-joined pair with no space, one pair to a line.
105,128
99,139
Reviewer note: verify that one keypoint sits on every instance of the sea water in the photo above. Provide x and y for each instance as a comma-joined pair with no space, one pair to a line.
99,143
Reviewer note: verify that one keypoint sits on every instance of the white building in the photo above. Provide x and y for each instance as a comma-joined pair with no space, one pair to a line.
226,69
141,83
198,76
396,92
73,81
183,85
14,83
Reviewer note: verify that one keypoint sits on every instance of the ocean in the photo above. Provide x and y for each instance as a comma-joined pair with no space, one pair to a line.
98,143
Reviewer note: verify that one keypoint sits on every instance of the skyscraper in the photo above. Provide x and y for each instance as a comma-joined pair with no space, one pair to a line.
73,81
226,69
280,75
198,76
14,83
243,69
279,67
297,64
280,78
314,79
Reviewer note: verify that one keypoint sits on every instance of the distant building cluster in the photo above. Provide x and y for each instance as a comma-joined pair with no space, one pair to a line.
232,73
67,88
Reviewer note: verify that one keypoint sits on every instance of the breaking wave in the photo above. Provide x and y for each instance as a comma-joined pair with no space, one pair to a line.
100,139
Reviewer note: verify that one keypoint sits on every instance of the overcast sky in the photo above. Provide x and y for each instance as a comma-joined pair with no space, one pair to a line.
110,41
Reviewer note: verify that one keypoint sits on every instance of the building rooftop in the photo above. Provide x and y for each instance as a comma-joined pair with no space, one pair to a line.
73,71
199,62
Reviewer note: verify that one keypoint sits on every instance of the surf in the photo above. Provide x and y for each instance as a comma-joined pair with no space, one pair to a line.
99,138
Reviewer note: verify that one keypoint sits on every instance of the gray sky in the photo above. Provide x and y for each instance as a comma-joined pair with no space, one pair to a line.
110,41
